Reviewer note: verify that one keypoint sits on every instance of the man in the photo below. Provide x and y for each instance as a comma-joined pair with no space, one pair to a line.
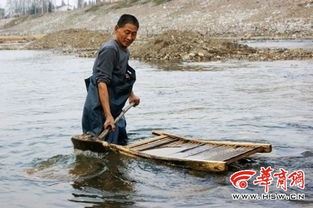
111,84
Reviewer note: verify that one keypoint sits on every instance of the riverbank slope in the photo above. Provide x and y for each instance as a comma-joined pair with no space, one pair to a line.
171,30
240,18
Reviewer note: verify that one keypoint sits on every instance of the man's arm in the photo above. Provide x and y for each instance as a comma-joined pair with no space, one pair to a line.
104,100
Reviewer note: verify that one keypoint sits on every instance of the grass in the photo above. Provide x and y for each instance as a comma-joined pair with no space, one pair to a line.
130,3
158,2
19,20
94,8
126,4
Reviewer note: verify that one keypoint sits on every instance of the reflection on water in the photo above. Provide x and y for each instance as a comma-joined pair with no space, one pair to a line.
51,168
40,109
106,177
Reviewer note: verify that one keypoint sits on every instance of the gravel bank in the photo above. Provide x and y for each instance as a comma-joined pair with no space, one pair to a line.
171,46
175,30
240,18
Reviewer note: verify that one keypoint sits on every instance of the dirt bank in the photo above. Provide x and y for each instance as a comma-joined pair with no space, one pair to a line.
188,46
15,42
179,46
18,39
83,42
170,46
171,30
240,18
72,38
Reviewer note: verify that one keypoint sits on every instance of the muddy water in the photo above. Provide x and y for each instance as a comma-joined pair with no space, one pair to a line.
291,44
41,101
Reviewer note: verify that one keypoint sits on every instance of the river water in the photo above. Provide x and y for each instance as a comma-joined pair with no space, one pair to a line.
42,95
290,44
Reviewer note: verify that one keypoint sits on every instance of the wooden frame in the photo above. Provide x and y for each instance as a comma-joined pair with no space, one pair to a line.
180,151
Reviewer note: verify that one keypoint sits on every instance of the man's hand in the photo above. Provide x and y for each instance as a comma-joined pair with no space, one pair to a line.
134,99
109,123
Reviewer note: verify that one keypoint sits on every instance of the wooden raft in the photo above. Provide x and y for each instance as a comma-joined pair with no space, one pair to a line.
172,149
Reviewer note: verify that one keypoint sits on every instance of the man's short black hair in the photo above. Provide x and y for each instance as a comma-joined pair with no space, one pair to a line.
128,18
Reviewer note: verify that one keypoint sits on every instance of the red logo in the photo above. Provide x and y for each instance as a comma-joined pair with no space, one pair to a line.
267,177
281,179
297,179
239,179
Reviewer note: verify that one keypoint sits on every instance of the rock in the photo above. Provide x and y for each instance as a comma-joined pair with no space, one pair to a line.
200,54
187,46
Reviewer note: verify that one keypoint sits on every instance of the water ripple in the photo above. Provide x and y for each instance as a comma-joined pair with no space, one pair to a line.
238,101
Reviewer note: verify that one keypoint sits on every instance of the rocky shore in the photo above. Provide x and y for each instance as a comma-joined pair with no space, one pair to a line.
240,18
171,31
187,46
171,46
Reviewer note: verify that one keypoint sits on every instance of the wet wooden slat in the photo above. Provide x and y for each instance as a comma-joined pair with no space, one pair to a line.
230,153
146,141
177,143
173,149
243,155
156,144
194,151
215,166
183,146
164,152
191,148
206,155
265,147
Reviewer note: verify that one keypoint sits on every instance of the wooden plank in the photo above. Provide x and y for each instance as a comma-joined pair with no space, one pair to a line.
178,147
164,151
87,142
265,147
178,143
172,149
146,141
215,166
194,151
191,148
230,153
155,144
206,155
201,150
246,154
177,150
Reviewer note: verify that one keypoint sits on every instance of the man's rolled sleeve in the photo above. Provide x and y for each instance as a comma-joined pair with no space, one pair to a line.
104,65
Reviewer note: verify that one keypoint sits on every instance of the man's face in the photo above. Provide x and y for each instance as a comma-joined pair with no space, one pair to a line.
126,35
